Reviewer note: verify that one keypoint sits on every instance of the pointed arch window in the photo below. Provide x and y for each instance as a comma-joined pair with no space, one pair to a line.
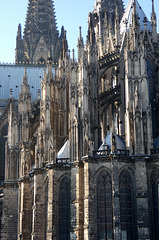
126,206
64,209
104,206
155,205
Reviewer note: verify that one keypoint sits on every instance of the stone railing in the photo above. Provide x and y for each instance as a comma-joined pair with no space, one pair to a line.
107,152
101,153
63,160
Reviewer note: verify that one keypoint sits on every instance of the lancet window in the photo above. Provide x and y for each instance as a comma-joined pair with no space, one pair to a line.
127,210
64,209
104,206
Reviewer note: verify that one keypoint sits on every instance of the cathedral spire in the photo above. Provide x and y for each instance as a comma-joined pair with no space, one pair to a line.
40,32
40,23
80,44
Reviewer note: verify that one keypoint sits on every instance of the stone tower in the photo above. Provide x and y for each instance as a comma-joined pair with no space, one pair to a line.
40,34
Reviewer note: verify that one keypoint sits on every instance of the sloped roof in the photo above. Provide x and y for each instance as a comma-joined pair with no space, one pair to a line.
120,142
64,151
128,15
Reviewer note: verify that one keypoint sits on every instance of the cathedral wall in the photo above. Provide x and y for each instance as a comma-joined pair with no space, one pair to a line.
137,170
74,202
10,211
40,205
77,204
55,177
25,209
91,171
143,220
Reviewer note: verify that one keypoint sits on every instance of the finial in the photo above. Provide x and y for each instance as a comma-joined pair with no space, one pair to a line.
73,55
135,22
19,31
153,9
80,33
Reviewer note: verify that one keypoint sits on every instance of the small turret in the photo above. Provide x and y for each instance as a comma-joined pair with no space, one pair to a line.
80,45
24,107
19,31
12,143
65,46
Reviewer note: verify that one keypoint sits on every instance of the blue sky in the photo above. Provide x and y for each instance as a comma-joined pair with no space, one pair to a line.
70,13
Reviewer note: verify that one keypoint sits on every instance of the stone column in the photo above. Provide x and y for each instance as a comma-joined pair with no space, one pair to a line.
115,197
40,206
90,226
53,218
143,225
77,214
79,197
50,205
25,209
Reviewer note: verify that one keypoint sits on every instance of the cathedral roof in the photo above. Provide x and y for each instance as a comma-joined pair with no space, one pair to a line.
128,16
11,77
120,142
64,151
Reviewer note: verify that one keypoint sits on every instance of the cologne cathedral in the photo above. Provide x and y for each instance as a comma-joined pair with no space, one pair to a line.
79,160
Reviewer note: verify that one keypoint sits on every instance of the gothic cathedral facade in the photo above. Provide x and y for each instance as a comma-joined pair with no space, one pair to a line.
82,161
